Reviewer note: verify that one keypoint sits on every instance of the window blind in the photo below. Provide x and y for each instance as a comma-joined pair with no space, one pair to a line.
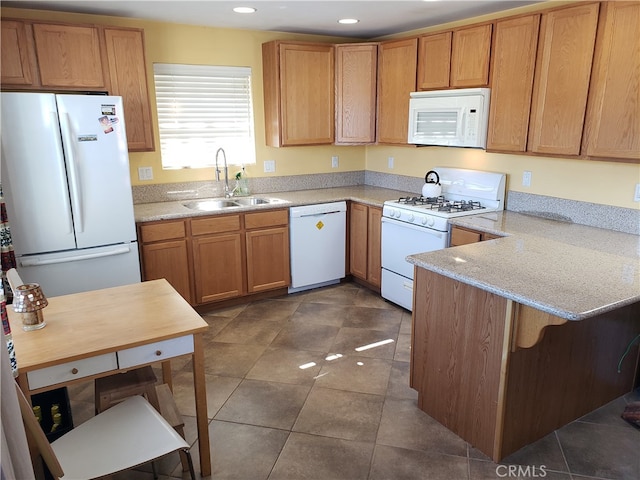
202,108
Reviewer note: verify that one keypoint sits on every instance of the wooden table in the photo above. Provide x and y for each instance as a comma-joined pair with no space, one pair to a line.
102,332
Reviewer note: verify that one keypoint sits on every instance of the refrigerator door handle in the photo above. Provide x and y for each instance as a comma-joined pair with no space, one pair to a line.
74,181
33,262
55,120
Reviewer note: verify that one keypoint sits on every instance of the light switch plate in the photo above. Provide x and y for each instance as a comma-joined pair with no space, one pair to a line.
526,178
390,161
269,166
145,173
334,161
636,195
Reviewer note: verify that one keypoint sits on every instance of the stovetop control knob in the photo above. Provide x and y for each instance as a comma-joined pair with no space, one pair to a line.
398,213
423,220
430,221
411,218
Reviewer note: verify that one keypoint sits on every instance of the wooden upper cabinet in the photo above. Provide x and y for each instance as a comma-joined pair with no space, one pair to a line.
397,64
69,56
50,56
299,88
561,84
356,80
470,53
434,61
513,64
16,60
613,119
128,75
455,59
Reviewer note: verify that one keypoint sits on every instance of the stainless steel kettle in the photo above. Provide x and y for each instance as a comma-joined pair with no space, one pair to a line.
431,188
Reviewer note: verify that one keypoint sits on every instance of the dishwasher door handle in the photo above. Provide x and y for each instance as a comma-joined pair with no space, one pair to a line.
319,214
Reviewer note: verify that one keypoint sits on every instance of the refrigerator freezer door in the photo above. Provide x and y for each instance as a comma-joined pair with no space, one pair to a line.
82,270
95,147
33,168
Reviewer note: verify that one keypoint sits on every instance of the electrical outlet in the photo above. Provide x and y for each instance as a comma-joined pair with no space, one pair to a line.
636,195
145,173
269,166
390,162
526,178
334,161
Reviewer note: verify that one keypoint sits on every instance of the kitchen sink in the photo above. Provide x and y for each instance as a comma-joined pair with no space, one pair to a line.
209,205
251,201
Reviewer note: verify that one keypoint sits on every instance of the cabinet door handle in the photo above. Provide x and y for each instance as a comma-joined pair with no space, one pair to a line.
74,370
158,353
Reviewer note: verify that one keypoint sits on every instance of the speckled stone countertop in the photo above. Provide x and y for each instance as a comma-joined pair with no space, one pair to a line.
569,270
147,212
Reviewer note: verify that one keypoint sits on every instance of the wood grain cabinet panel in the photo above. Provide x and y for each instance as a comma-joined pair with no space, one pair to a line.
374,241
455,59
563,69
613,118
513,65
298,81
365,260
218,267
164,254
16,61
356,81
465,236
470,53
267,259
267,250
434,61
170,260
128,75
69,56
397,65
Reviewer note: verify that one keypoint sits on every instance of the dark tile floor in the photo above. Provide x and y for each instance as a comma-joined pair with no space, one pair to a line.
292,395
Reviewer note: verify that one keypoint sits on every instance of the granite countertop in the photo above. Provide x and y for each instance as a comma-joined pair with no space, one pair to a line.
375,196
569,270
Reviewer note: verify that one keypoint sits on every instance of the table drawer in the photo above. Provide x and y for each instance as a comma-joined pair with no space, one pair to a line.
66,372
155,352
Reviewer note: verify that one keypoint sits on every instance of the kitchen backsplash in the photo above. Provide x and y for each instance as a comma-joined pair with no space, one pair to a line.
596,215
585,213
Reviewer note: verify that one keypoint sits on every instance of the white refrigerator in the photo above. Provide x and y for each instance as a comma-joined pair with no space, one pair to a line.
65,177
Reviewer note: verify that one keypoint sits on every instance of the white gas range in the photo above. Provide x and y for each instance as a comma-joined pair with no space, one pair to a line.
415,224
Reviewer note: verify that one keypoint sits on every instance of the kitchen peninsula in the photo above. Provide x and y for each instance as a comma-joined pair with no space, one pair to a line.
514,337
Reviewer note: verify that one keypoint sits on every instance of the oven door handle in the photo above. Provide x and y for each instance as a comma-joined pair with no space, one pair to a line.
421,229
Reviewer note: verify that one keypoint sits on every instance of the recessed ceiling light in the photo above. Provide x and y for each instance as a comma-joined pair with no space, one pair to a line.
348,21
244,10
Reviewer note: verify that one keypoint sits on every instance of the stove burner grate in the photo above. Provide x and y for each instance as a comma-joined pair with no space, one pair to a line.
441,204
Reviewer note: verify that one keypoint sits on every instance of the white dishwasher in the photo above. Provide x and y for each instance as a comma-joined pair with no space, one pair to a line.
317,243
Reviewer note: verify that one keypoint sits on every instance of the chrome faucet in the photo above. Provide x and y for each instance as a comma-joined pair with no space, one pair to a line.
227,193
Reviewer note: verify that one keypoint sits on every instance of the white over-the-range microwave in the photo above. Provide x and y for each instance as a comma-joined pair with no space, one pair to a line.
453,118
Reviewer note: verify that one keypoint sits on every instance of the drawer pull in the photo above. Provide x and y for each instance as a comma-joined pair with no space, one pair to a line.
74,371
158,353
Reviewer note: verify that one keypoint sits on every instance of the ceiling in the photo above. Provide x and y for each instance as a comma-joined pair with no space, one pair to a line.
377,18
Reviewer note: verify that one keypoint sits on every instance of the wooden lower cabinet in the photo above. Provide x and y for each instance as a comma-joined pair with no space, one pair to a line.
267,259
464,236
365,260
217,267
164,254
219,257
502,375
267,250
